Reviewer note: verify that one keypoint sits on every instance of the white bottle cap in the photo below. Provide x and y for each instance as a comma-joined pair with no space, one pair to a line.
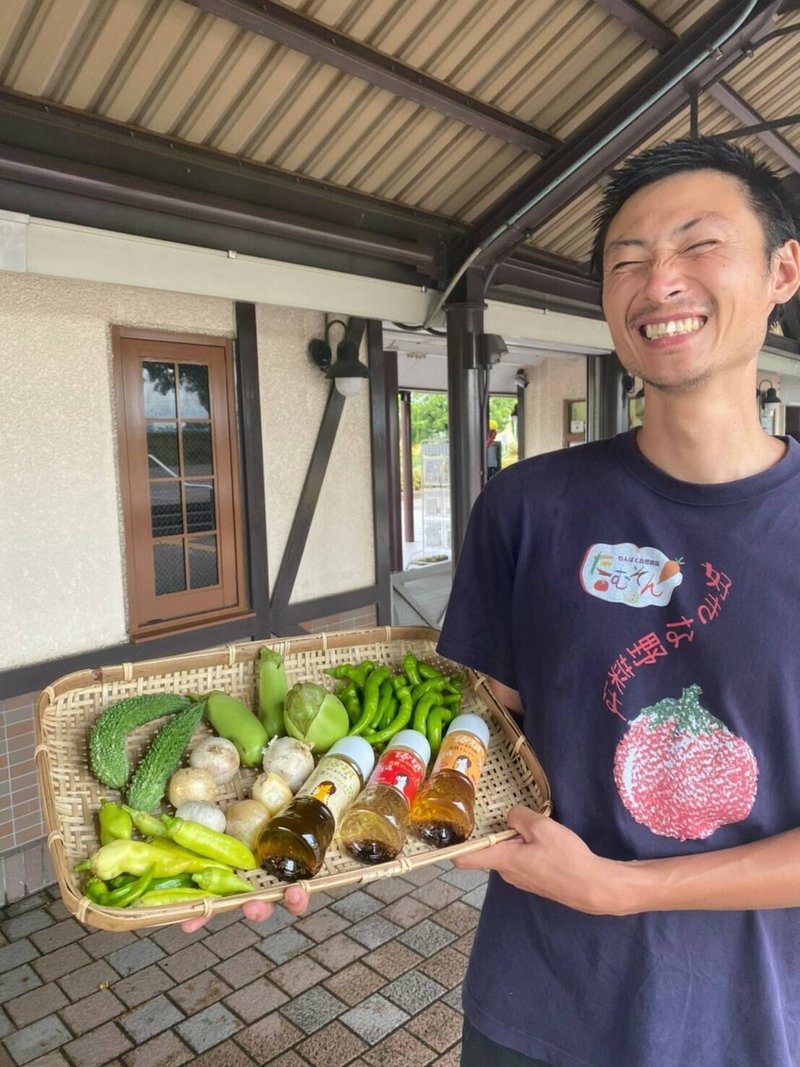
413,740
356,749
474,724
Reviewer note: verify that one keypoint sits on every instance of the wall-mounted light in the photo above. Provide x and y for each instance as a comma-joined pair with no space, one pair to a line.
348,372
771,410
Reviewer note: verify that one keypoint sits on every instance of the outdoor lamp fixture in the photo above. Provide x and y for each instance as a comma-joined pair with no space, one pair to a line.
770,405
348,371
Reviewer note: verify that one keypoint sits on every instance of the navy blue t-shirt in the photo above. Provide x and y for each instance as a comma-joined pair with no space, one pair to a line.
652,628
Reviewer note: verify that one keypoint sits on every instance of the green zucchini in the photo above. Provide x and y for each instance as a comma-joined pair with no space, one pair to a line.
162,757
107,756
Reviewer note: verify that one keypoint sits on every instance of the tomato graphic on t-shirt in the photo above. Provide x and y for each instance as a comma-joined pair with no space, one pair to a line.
681,772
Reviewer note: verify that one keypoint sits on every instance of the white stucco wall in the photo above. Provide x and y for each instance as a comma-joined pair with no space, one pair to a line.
550,383
61,545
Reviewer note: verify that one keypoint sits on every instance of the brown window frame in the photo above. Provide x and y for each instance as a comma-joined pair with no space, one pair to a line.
150,615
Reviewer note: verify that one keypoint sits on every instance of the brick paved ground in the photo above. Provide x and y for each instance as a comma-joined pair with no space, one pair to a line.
368,977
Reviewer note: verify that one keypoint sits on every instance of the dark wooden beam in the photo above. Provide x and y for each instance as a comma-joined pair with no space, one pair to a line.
326,45
607,137
383,506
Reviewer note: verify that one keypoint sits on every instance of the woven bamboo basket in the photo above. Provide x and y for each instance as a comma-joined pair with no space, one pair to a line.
67,709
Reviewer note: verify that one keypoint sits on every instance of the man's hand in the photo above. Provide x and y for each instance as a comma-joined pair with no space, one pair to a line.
295,900
551,861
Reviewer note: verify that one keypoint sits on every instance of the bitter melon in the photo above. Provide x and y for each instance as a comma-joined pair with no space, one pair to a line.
107,756
162,757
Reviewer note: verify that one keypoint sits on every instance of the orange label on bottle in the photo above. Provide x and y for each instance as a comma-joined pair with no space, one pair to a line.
401,769
461,752
334,783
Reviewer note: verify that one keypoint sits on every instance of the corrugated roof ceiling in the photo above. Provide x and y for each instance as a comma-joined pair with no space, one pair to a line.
198,73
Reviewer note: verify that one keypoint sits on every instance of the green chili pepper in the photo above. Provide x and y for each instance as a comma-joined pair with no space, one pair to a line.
174,881
399,722
225,883
115,823
211,843
428,671
341,670
97,890
160,897
134,857
148,825
411,668
431,685
385,694
434,729
421,709
362,670
272,689
370,706
453,699
399,681
389,713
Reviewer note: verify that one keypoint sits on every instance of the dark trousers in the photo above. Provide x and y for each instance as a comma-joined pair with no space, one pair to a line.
479,1051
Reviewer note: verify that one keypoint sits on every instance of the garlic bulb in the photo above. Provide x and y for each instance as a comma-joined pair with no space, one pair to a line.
245,820
289,758
206,814
272,790
189,783
218,756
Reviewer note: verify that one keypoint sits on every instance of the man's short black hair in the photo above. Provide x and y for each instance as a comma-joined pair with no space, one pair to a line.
762,186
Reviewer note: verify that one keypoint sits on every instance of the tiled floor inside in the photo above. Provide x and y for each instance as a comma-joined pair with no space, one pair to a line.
369,976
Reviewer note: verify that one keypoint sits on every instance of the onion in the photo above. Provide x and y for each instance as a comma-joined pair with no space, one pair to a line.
245,820
210,815
218,756
272,790
189,783
289,758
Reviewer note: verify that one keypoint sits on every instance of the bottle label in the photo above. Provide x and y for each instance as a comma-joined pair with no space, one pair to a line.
461,752
402,770
334,783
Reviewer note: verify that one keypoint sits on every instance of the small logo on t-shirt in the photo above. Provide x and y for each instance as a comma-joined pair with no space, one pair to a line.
640,577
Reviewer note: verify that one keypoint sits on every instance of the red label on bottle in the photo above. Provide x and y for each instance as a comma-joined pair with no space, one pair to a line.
401,769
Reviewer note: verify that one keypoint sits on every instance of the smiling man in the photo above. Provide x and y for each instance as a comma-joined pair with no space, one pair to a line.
635,600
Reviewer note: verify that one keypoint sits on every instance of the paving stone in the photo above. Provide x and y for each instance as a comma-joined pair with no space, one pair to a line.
63,961
454,999
173,939
104,942
284,945
318,901
374,931
354,983
26,923
400,1049
337,952
88,979
199,992
50,1059
28,903
333,1046
459,917
392,959
57,935
222,920
451,1058
475,897
374,1018
298,975
37,1039
464,944
407,911
413,991
388,889
142,985
209,1027
322,924
288,1059
244,968
427,937
439,1026
421,875
15,954
188,962
448,967
6,1026
134,957
229,941
356,906
99,1047
151,1018
14,983
255,1000
268,1037
313,1009
279,920
94,1010
58,910
166,1050
437,894
466,879
228,1054
35,1004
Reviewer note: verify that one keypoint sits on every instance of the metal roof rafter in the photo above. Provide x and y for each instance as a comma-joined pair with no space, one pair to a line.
320,42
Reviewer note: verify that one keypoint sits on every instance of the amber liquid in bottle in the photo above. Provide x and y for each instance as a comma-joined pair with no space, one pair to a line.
443,812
